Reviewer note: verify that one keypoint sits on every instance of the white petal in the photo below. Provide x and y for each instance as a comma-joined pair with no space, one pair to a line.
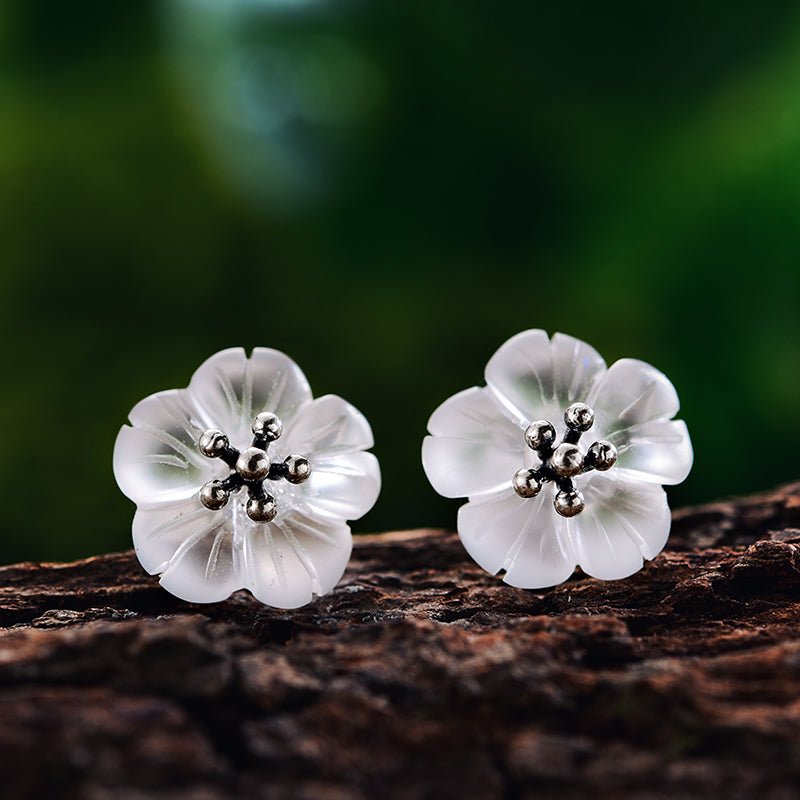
157,459
523,536
327,426
205,555
294,558
536,378
623,522
660,451
632,392
232,389
474,447
341,487
634,403
192,547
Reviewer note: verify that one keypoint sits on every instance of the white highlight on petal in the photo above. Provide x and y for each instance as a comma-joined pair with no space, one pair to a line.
191,546
232,389
290,561
658,452
624,522
327,426
535,377
157,459
523,536
343,486
473,448
634,403
632,392
204,556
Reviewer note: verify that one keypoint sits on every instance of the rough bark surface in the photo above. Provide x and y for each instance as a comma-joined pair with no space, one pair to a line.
420,676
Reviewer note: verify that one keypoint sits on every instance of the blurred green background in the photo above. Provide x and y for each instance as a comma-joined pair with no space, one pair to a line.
387,191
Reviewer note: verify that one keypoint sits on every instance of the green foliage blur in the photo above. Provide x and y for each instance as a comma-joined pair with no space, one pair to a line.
387,191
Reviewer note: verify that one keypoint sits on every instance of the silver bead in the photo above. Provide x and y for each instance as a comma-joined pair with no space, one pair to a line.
568,503
540,435
212,443
601,455
579,417
213,496
261,509
253,464
525,483
567,460
268,425
298,468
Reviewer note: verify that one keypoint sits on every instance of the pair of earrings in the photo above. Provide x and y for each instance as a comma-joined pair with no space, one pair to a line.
244,481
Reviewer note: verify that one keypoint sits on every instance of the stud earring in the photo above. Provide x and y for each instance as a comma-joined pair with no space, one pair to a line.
244,481
562,461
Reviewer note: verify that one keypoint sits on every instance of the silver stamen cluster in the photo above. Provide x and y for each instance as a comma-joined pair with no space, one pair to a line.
250,467
562,462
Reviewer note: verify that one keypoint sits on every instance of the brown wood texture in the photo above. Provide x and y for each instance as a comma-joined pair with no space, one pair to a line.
419,677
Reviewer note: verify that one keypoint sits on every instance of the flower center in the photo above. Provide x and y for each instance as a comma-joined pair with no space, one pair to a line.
250,468
562,462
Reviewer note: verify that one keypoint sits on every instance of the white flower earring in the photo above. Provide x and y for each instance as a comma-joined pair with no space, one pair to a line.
244,481
541,501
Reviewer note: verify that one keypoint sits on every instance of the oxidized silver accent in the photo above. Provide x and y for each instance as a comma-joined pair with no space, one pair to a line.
214,496
298,468
526,482
253,464
540,434
213,443
250,468
261,509
268,426
567,460
564,461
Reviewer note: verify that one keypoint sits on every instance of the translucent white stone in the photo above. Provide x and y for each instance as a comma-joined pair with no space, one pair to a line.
203,556
327,426
473,448
476,445
157,460
535,377
232,389
290,561
624,522
345,486
525,537
634,404
191,546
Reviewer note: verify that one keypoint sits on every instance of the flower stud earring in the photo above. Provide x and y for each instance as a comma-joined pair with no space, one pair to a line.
562,461
244,481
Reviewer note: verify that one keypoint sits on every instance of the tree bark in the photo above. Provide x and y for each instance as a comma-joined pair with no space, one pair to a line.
418,677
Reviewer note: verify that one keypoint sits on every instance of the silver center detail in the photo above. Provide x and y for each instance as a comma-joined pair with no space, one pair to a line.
250,468
564,461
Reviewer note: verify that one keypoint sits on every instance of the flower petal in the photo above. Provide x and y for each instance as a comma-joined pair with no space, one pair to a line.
474,447
537,378
232,389
204,556
192,547
634,403
157,459
343,486
327,426
659,452
632,392
294,558
623,522
523,536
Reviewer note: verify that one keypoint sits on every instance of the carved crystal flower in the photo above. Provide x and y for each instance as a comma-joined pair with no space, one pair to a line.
562,460
244,481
